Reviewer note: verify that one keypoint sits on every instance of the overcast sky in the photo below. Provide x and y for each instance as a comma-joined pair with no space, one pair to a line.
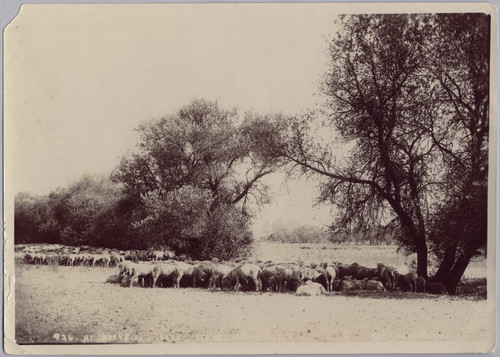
80,78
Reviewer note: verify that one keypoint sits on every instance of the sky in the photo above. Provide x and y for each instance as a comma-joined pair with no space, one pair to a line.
80,78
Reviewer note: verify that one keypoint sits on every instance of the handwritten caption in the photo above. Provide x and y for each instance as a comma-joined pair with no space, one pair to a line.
100,338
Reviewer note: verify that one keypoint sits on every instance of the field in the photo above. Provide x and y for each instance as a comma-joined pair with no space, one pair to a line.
59,304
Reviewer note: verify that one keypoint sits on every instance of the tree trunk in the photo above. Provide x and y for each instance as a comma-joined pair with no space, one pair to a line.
447,263
422,259
456,273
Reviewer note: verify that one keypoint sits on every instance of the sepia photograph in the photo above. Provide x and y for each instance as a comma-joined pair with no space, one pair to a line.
250,178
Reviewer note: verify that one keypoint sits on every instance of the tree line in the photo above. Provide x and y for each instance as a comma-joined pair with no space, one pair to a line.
189,186
400,146
314,234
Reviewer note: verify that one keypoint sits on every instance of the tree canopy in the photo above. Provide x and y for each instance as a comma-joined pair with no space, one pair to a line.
193,178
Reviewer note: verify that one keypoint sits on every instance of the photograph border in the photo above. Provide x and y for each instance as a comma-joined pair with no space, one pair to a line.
11,347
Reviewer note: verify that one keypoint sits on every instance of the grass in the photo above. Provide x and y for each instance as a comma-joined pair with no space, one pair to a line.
327,252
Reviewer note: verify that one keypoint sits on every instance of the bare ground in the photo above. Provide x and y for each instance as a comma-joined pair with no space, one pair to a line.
73,304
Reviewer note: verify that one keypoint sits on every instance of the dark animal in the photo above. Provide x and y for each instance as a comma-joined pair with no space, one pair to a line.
116,279
387,276
201,274
420,285
347,284
365,273
349,269
272,277
407,282
435,288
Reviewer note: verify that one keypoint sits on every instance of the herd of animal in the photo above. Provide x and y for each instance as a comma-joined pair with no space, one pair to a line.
270,277
75,256
158,269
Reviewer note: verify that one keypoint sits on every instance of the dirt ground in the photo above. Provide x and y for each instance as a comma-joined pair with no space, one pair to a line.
56,304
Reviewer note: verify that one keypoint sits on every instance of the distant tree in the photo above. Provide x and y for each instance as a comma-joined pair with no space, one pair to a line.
85,211
300,234
25,220
34,221
192,168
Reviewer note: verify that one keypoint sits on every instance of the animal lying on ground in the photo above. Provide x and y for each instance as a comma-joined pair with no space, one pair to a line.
116,279
374,285
310,289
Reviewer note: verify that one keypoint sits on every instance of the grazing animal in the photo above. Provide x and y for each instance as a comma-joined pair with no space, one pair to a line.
141,272
158,255
365,273
71,259
330,273
201,273
271,277
336,284
275,282
218,272
28,258
407,282
348,270
183,269
387,276
292,278
281,278
420,285
435,288
244,272
126,267
309,273
164,270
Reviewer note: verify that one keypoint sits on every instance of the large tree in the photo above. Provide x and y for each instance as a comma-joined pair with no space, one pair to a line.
459,62
191,169
408,114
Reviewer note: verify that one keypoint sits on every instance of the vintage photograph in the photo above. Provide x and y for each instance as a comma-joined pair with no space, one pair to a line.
250,178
